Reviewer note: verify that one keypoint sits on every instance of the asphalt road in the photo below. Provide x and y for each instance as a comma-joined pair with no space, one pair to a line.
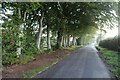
83,63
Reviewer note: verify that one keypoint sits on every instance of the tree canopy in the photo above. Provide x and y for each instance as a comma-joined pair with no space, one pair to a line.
36,25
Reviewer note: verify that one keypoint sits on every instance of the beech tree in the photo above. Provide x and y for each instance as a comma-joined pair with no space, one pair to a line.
24,28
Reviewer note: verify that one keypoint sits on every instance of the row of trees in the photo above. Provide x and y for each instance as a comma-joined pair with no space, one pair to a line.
32,25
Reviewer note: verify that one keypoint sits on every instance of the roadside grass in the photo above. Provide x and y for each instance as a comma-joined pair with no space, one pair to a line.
32,73
111,59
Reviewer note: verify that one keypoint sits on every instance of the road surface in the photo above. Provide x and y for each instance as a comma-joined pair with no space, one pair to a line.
83,63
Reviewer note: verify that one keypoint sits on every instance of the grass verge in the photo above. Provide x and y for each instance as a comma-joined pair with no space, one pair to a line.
111,59
32,73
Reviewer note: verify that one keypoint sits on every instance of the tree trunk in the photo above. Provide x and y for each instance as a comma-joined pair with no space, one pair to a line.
61,44
74,40
20,35
100,34
48,38
39,34
59,38
68,40
64,41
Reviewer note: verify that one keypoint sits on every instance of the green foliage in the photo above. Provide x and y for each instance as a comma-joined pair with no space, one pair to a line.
111,58
9,58
24,59
9,37
34,72
28,54
30,50
63,20
110,43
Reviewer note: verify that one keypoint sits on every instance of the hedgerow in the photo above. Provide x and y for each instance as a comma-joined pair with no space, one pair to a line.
111,43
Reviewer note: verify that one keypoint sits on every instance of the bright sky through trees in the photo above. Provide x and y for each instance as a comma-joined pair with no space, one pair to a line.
111,33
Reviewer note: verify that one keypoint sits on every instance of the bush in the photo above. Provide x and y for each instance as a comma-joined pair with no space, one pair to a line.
30,51
110,43
26,58
9,58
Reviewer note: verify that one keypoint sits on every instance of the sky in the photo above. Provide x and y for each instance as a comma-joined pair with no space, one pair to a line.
111,33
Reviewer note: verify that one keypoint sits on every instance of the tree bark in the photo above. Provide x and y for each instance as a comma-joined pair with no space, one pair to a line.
39,34
20,35
48,38
59,38
64,42
68,40
61,44
74,40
